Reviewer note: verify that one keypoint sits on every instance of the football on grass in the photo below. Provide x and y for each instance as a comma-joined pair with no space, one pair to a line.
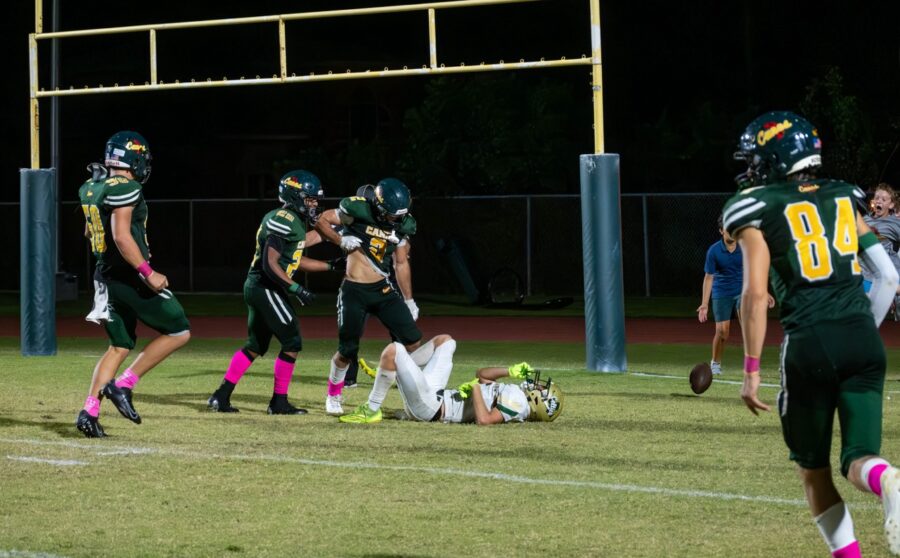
701,378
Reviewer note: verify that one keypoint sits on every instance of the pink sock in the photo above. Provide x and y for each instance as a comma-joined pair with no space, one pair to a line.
127,380
284,370
874,479
92,406
239,364
335,388
849,551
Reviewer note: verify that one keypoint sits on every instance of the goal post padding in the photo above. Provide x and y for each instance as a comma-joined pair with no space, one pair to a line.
38,223
601,235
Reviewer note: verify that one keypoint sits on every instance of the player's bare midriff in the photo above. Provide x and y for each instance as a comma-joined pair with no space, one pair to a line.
359,270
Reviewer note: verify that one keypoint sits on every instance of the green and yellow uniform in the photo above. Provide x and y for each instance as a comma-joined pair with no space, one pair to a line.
269,311
128,298
832,357
357,300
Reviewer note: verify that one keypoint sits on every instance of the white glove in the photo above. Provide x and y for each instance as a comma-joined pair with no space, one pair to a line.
393,238
350,243
413,308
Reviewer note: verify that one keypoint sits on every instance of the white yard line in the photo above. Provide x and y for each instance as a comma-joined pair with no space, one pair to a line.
26,554
612,487
61,462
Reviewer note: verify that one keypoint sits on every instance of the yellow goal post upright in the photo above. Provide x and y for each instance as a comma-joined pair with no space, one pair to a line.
599,172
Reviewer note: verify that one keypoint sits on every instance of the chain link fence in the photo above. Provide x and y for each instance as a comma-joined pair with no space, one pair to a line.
206,245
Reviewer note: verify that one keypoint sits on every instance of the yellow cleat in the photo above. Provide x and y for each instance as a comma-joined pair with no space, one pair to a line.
364,366
362,415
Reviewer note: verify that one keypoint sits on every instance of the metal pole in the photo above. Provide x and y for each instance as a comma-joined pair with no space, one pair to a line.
153,57
54,115
597,76
646,247
34,122
191,245
528,245
432,38
282,49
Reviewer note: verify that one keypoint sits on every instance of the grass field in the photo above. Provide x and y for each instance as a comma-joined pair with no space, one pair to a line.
635,466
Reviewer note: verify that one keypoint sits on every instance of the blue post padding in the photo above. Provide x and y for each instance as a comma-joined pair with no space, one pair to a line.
601,234
37,288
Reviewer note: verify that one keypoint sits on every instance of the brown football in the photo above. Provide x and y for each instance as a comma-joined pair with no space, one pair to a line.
701,378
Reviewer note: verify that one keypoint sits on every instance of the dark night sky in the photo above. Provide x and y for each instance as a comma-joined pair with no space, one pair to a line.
694,72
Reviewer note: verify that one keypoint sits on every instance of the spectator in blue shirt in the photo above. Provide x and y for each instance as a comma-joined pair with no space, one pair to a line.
723,280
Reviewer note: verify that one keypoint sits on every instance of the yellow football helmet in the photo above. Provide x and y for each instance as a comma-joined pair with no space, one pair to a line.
544,398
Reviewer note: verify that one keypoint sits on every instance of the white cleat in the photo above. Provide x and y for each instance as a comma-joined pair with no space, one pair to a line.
333,405
716,368
890,498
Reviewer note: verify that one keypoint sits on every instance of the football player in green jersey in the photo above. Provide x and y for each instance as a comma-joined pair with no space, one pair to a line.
376,228
126,288
280,242
808,236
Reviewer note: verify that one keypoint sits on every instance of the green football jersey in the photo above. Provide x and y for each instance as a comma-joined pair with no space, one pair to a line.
292,228
810,228
99,198
379,243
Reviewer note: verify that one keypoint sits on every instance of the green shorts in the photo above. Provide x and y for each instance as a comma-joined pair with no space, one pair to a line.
269,313
131,300
827,367
724,309
357,300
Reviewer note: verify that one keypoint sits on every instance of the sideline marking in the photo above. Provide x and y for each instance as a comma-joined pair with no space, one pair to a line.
62,462
674,492
26,554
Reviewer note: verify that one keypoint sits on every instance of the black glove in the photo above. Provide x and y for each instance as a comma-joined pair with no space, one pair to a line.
338,264
304,296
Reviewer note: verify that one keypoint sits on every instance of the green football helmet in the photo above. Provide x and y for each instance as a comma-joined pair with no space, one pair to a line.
130,151
544,398
392,200
296,187
775,146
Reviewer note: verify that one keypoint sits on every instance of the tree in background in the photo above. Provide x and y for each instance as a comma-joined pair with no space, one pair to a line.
848,148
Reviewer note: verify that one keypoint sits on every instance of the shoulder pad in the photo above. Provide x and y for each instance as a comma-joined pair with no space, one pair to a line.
407,226
284,223
356,207
121,192
743,210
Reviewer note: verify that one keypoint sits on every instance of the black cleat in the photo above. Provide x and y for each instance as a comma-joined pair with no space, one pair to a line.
89,425
279,405
220,403
121,398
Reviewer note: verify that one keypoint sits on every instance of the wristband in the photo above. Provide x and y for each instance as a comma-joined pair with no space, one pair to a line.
144,269
751,364
294,288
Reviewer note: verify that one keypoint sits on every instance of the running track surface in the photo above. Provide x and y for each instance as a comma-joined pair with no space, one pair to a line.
637,330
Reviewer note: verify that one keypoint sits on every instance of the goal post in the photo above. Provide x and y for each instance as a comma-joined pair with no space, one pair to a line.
602,298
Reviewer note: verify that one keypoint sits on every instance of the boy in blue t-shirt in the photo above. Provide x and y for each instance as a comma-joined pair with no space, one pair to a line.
724,279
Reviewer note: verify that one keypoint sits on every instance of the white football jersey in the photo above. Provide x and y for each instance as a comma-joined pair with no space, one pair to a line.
508,398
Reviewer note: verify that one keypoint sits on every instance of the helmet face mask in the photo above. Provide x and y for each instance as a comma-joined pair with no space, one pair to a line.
775,146
301,191
544,398
392,201
129,151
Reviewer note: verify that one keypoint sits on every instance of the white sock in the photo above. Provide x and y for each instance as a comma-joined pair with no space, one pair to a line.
384,379
422,355
336,375
836,527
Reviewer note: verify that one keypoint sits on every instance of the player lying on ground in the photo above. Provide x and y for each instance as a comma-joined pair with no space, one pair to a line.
482,401
280,241
126,288
806,235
